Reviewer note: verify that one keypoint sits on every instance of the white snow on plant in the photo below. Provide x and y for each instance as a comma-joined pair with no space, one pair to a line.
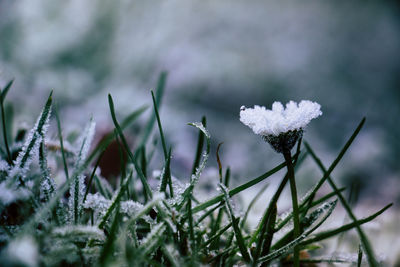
23,251
279,119
4,167
9,194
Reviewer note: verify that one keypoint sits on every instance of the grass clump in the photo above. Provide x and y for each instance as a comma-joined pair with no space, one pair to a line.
77,217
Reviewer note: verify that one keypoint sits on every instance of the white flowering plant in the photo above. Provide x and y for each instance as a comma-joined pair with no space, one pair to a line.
58,209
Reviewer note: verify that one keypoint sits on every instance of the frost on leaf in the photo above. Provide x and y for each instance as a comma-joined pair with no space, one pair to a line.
77,188
30,148
99,205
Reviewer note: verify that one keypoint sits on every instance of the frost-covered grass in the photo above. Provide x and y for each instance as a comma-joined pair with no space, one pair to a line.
68,214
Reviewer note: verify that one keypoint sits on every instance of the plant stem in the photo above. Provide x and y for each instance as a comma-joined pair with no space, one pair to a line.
293,190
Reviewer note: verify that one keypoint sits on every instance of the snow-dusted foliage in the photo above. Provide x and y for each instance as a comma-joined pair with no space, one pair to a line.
30,148
11,193
50,221
280,120
78,188
22,251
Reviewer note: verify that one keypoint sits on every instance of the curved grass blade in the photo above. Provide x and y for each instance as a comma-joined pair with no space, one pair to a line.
359,256
336,161
195,177
77,190
110,137
217,235
32,143
238,189
109,244
364,239
166,176
115,202
321,214
147,191
3,119
251,204
164,146
159,94
329,233
92,175
262,226
236,229
200,144
61,143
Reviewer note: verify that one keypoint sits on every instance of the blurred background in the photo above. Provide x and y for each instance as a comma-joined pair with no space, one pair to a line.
220,55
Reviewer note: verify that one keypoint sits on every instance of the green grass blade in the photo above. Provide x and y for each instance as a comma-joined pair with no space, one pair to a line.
166,175
270,231
159,94
330,233
261,228
320,215
337,159
251,204
5,90
164,146
61,143
3,118
238,233
216,235
359,256
364,239
200,144
146,187
110,137
35,135
89,185
109,244
195,177
115,202
238,189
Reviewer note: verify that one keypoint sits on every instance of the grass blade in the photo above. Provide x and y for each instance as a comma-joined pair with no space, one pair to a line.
360,256
61,143
330,233
238,189
146,187
200,144
236,229
3,118
115,202
109,244
164,146
364,239
159,94
337,159
32,143
110,137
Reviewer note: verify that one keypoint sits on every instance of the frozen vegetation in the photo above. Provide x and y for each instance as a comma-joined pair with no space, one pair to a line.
58,209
